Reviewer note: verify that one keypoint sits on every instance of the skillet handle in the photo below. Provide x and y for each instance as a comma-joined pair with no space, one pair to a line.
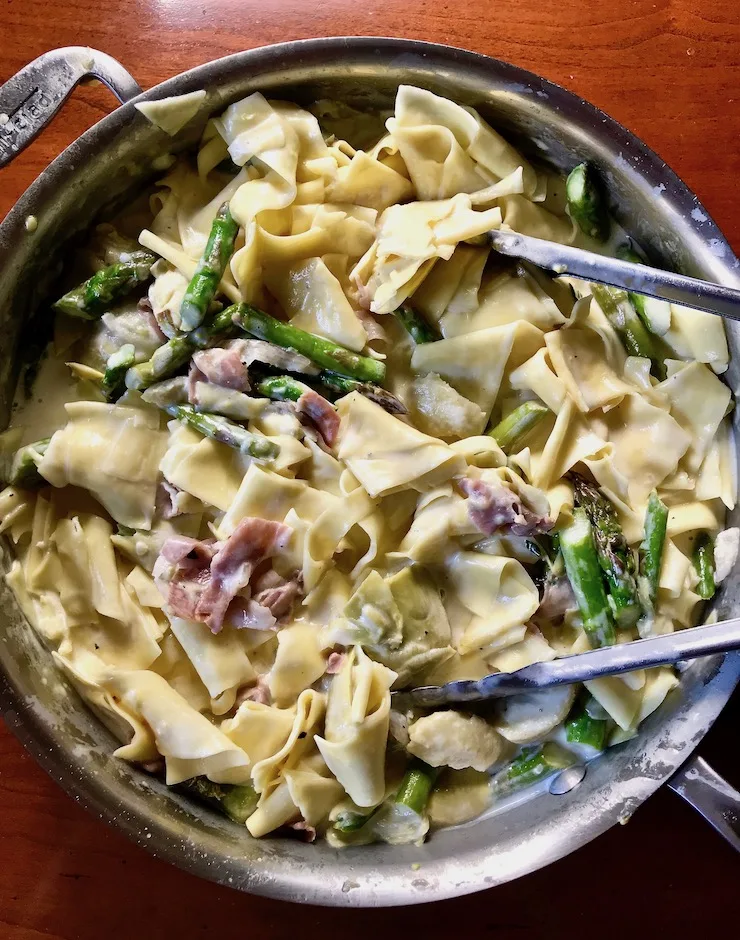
710,795
31,98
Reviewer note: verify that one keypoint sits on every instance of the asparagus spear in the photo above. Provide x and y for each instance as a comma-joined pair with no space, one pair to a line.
113,383
704,564
204,283
582,728
24,471
286,388
345,385
656,519
615,557
416,786
405,812
323,352
654,313
512,429
348,821
586,202
532,765
177,351
225,431
93,297
238,802
415,325
584,573
629,327
282,388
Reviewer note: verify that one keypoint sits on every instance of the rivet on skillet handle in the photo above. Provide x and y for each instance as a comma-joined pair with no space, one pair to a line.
711,796
31,98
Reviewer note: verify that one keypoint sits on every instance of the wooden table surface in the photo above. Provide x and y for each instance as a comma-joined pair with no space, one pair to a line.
670,71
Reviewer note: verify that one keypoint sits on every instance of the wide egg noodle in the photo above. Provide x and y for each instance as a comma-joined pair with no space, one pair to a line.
366,181
438,409
387,455
356,727
498,593
696,334
112,451
220,660
313,299
580,359
189,743
449,294
699,402
474,363
410,238
259,730
449,149
298,662
276,806
206,469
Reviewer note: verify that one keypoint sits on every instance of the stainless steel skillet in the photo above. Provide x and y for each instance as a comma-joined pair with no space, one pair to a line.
115,158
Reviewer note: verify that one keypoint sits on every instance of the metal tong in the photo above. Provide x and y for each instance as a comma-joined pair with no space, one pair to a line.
582,667
635,278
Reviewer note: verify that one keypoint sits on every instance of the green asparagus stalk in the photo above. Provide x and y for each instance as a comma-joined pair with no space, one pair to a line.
629,327
654,313
409,803
286,388
282,388
512,429
704,564
416,786
113,383
344,385
238,802
177,352
582,728
24,471
651,548
225,431
323,352
94,296
584,573
532,765
614,554
586,202
415,325
204,283
348,821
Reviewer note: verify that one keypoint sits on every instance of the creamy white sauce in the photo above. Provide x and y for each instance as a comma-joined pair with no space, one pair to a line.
43,412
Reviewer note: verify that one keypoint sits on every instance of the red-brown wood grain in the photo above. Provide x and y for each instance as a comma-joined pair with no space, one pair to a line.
670,71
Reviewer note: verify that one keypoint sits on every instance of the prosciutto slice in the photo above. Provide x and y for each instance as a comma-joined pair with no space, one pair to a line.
252,541
201,579
166,500
260,692
334,663
321,413
248,614
557,599
182,573
258,350
277,594
495,508
222,366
